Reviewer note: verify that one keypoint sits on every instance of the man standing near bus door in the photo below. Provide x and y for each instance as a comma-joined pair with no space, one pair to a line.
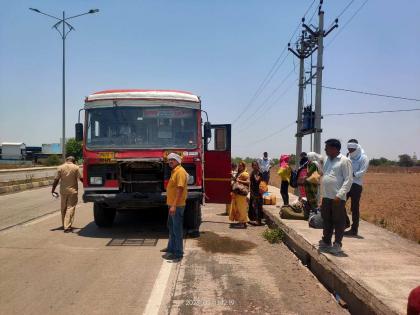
265,164
67,175
360,163
176,200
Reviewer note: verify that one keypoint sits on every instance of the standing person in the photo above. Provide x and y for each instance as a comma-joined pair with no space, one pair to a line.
335,184
285,171
176,200
232,181
67,175
239,210
255,211
360,163
265,163
311,184
301,174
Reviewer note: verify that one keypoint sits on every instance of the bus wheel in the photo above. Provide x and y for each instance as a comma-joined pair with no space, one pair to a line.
192,218
104,217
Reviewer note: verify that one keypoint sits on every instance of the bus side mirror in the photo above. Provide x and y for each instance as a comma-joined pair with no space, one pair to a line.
79,132
207,130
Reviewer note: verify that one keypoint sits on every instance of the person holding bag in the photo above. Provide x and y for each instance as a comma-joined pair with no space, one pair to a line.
258,187
240,190
313,178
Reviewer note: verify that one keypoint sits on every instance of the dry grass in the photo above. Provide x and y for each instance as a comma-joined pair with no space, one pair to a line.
390,199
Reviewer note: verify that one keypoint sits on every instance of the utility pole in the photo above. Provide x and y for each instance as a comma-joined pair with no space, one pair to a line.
311,40
299,136
63,141
318,90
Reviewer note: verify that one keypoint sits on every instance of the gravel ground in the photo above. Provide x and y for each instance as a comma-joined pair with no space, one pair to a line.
235,271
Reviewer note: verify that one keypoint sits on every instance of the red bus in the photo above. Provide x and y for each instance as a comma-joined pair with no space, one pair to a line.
127,136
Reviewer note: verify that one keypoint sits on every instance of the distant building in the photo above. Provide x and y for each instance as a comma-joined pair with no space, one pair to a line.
51,148
13,151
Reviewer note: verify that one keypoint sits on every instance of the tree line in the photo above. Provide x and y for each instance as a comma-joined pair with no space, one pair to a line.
404,160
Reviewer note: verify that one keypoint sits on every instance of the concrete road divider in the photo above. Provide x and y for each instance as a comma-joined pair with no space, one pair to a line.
15,180
375,273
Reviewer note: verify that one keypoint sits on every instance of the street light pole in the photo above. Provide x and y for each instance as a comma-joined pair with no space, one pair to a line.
63,141
63,34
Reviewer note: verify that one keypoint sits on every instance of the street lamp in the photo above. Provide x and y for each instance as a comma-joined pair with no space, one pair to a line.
66,28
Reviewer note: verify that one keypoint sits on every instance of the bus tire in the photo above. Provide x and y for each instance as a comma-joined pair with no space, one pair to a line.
104,217
192,218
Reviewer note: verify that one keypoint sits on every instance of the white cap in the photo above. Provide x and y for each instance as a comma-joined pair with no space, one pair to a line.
352,145
174,156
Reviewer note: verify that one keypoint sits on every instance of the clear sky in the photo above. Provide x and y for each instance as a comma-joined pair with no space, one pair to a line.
220,50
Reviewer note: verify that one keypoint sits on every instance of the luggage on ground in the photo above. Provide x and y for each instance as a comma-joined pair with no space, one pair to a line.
287,212
315,220
269,199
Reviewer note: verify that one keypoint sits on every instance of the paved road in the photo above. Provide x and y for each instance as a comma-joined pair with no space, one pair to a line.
17,208
120,270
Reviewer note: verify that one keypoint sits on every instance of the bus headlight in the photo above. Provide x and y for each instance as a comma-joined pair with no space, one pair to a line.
191,180
96,180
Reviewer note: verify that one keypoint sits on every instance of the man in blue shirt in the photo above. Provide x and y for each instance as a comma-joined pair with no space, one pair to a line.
360,163
265,163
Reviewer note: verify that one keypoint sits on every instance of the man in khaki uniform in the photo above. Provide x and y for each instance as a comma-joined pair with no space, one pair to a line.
67,174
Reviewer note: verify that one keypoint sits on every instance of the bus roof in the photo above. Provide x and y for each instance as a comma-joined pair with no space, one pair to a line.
138,94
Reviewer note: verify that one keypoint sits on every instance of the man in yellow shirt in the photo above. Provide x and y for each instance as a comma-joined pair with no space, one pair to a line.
176,197
67,175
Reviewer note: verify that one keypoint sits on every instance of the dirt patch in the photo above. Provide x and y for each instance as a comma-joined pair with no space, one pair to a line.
270,281
390,199
213,243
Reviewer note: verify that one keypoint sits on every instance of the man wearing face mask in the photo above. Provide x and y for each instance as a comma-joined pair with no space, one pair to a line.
360,163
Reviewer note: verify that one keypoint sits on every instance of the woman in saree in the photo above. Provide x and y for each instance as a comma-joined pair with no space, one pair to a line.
239,209
255,212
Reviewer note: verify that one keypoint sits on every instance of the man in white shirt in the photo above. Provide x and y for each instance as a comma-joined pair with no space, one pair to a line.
265,163
360,163
336,183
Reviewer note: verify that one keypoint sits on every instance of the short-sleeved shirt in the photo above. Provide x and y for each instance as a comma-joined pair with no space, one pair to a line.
179,178
68,174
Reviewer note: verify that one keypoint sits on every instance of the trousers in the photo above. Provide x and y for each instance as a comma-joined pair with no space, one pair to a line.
284,191
176,231
354,194
334,217
68,208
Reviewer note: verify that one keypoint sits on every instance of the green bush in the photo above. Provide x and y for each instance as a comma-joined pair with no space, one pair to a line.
74,148
53,160
273,235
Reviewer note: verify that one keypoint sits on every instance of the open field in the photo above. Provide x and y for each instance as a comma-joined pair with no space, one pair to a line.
390,199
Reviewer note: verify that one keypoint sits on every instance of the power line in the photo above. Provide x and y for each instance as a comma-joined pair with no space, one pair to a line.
273,134
347,23
372,94
375,112
269,96
276,101
337,114
263,84
345,9
273,70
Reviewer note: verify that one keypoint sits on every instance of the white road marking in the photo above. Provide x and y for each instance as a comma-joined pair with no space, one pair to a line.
156,297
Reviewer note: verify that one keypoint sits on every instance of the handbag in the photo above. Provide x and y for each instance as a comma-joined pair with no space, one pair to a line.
240,189
315,178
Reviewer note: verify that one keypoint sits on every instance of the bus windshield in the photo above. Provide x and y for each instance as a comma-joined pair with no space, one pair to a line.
142,128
